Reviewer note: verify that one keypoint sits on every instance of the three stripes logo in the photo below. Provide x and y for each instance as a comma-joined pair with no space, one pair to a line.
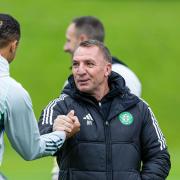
48,111
161,138
89,119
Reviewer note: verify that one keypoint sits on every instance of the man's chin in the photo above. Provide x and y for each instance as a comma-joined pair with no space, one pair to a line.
84,89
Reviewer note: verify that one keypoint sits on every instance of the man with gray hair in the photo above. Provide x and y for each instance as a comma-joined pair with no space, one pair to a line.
89,27
119,138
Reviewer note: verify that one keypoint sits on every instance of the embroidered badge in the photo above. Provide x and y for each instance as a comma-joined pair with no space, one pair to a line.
126,118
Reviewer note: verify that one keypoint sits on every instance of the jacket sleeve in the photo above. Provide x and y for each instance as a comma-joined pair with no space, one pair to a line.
49,114
156,159
22,130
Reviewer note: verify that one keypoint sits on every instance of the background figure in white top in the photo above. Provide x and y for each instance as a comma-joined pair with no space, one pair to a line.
132,81
17,118
89,27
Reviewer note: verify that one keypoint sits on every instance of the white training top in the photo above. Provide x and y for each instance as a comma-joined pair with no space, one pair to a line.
132,82
17,119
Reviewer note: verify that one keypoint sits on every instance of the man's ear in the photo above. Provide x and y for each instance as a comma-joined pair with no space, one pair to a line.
108,69
83,37
13,46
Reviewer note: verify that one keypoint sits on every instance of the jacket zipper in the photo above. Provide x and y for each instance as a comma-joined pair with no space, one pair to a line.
108,151
107,134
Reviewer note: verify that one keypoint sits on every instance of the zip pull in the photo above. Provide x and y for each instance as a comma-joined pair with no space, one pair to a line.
107,123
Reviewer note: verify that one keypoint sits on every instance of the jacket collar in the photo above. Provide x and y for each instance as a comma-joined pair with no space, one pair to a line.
4,67
123,99
122,104
115,81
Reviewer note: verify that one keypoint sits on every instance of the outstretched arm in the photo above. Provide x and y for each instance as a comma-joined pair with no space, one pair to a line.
22,130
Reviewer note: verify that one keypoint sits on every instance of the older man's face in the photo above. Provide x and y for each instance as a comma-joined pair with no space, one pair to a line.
90,69
72,40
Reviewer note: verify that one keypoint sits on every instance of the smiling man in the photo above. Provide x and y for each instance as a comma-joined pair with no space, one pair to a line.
87,71
119,137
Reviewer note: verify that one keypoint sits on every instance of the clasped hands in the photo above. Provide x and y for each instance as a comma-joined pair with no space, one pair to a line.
68,123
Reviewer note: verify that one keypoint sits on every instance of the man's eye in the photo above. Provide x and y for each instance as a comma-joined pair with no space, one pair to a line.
75,65
90,65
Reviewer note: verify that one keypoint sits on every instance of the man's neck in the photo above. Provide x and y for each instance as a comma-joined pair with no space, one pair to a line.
3,53
100,93
6,52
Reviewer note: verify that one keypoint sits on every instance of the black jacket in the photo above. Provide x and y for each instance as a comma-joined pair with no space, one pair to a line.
119,139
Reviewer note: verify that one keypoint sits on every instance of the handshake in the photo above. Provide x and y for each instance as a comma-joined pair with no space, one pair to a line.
68,123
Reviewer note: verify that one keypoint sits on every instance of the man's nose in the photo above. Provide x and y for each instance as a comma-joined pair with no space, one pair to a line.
66,47
81,69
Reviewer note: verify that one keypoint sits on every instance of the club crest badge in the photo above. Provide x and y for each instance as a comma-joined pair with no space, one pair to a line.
126,118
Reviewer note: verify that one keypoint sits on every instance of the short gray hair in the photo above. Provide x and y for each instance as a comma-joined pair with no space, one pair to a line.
91,26
105,51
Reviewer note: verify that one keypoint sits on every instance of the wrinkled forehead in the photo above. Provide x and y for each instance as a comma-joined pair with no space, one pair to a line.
83,54
92,51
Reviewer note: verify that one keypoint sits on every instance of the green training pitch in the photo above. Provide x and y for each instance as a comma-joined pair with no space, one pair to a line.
145,34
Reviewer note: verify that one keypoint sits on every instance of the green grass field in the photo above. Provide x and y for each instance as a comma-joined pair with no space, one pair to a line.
145,34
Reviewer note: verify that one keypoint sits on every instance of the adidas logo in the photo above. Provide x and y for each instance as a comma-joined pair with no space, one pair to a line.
89,119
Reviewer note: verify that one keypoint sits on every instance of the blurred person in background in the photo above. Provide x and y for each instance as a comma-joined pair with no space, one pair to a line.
17,118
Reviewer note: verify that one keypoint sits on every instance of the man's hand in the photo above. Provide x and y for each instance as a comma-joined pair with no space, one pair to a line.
68,123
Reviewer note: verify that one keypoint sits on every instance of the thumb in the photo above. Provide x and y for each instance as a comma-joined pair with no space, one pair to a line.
70,113
76,121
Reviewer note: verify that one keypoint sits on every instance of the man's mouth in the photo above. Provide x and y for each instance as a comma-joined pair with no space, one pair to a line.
82,81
